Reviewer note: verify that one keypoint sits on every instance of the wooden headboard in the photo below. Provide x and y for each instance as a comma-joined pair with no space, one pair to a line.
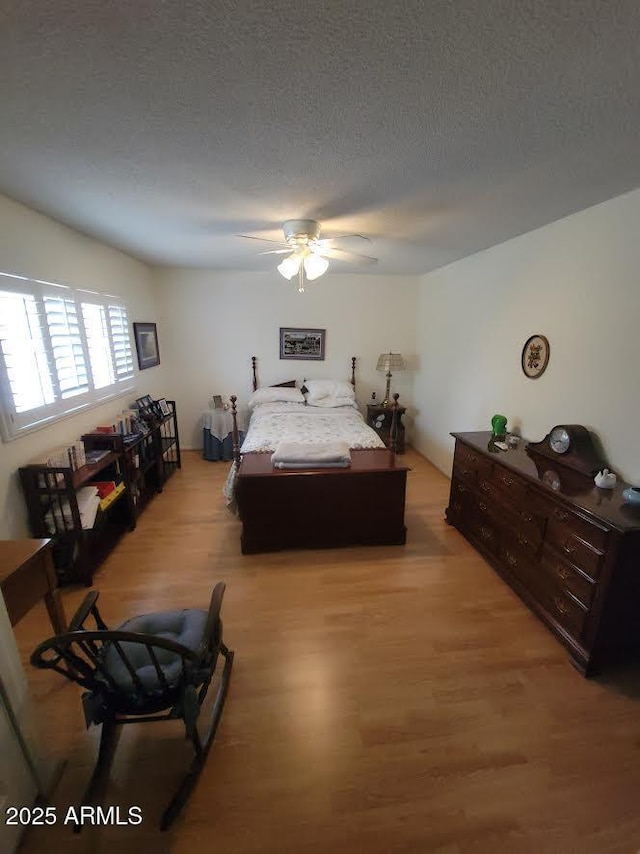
292,383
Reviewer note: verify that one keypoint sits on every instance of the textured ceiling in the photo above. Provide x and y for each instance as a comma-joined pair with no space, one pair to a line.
434,128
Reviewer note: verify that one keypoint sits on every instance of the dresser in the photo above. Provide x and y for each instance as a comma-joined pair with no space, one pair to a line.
570,550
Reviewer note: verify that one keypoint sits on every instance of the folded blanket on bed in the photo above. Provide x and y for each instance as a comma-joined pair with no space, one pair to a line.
311,454
339,464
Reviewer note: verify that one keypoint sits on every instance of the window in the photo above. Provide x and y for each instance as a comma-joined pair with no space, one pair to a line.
61,351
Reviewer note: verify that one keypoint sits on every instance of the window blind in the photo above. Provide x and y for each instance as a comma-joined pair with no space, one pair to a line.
60,350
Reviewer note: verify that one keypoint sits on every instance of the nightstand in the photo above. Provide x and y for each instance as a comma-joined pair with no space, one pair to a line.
217,439
379,418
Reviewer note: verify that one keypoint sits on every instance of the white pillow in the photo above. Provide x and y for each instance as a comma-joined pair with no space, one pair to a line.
332,402
271,394
317,389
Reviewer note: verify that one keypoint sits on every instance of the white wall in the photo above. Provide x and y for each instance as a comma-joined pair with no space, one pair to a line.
35,246
216,321
38,247
577,281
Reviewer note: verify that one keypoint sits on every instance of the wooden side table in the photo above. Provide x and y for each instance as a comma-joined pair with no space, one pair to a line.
379,418
26,576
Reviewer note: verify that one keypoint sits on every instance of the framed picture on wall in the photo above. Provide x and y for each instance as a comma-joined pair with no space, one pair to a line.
302,343
146,336
535,356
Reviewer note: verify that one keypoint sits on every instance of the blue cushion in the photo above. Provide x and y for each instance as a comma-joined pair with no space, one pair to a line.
184,627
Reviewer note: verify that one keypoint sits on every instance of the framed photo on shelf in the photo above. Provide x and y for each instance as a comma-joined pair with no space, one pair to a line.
302,343
146,335
165,409
144,402
217,401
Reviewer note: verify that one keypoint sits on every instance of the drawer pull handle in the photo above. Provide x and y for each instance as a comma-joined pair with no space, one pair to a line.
461,488
561,514
486,533
507,481
568,548
523,541
483,506
473,458
560,606
563,572
465,472
512,560
457,506
526,517
484,486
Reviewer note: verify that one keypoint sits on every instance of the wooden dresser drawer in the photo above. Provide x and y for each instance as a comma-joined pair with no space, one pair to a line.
573,548
462,496
520,564
567,576
484,530
588,531
511,487
566,609
469,464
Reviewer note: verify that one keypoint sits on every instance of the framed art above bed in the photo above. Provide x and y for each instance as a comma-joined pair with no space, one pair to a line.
302,343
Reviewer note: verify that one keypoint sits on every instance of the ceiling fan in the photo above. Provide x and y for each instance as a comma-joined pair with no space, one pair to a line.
306,253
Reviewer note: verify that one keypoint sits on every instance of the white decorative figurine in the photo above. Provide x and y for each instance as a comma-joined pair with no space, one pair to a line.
605,479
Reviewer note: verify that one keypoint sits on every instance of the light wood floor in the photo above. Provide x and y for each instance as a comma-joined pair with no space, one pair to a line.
395,699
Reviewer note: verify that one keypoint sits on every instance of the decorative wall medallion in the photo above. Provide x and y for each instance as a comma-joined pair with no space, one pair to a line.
535,356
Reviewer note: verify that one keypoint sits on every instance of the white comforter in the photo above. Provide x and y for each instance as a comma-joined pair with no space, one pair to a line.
272,423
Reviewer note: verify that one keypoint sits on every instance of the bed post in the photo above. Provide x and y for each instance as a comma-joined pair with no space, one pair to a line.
234,432
255,375
353,372
393,433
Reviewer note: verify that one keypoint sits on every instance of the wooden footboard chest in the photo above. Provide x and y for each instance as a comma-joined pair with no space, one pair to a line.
571,551
320,508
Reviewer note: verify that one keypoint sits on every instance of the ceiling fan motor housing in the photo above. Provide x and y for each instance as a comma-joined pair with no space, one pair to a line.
301,230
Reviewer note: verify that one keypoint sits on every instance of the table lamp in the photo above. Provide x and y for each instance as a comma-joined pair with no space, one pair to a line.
389,362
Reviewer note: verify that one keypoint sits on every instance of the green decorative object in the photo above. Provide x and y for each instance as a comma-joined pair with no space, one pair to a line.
499,425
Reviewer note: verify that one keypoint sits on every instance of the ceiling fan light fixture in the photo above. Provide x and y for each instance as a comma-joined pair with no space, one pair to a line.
290,265
315,266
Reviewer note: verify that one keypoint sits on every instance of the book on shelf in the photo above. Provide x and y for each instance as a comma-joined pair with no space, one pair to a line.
94,457
112,495
104,487
60,515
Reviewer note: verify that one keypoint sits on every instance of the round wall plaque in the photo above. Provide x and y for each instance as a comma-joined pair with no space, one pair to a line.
535,356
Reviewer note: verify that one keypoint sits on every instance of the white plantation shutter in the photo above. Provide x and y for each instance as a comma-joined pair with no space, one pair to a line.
70,363
25,357
121,342
99,344
60,351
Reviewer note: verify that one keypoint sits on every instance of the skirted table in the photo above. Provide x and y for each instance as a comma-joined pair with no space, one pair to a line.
217,438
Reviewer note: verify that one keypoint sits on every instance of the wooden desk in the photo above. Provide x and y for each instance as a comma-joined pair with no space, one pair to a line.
26,576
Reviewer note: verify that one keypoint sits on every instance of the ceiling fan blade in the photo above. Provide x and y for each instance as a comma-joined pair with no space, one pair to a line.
343,255
263,239
342,237
277,252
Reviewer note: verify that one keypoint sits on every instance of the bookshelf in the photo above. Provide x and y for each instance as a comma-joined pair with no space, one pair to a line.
86,508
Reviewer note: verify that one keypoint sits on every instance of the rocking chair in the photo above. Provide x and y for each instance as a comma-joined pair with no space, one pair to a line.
154,667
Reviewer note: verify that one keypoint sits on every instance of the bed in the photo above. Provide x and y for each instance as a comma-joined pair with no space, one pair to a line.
359,503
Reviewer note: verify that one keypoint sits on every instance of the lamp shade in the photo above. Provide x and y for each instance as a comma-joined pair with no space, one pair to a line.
290,266
390,362
315,265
